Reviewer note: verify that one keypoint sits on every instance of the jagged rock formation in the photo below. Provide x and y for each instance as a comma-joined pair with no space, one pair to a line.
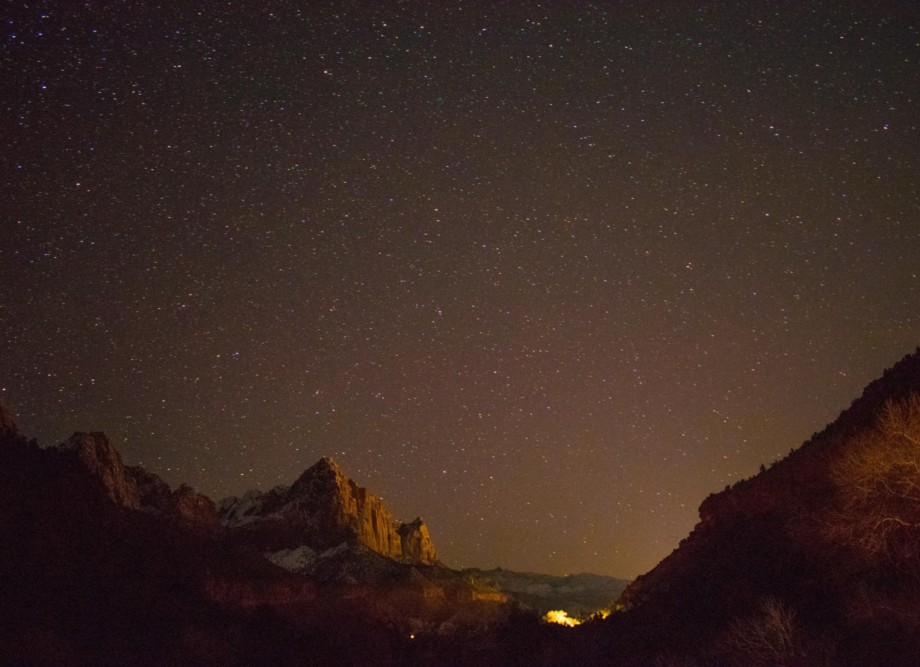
133,487
416,542
103,462
102,563
192,507
321,510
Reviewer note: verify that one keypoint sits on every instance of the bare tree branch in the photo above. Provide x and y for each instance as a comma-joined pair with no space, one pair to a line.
878,484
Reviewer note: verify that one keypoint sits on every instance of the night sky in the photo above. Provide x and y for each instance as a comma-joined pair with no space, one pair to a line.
547,274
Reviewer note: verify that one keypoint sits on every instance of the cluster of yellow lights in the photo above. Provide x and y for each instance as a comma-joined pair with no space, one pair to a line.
560,617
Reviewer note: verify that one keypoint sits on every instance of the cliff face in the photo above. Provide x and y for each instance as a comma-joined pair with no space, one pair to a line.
103,462
341,510
135,488
416,542
323,509
96,554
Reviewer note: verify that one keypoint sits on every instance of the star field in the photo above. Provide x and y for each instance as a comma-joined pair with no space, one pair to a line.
545,273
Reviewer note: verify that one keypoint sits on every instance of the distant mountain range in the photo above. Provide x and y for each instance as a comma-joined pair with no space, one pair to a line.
580,595
322,511
103,563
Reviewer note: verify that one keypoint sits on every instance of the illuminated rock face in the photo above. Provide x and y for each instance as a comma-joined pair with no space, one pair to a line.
323,509
134,487
342,511
102,461
195,508
416,542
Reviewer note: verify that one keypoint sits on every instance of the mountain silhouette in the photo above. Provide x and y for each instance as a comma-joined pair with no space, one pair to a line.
321,510
814,561
102,563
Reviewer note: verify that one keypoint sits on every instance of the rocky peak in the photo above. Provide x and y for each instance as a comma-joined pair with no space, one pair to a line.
322,478
416,542
326,465
136,488
193,507
100,458
323,509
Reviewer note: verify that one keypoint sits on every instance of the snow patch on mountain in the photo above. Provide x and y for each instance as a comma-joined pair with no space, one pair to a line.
295,560
240,510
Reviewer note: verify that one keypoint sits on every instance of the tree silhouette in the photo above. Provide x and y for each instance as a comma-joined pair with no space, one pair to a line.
878,484
768,637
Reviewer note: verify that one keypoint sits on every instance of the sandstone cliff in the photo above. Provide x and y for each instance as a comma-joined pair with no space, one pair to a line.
103,462
90,544
134,487
416,542
323,509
